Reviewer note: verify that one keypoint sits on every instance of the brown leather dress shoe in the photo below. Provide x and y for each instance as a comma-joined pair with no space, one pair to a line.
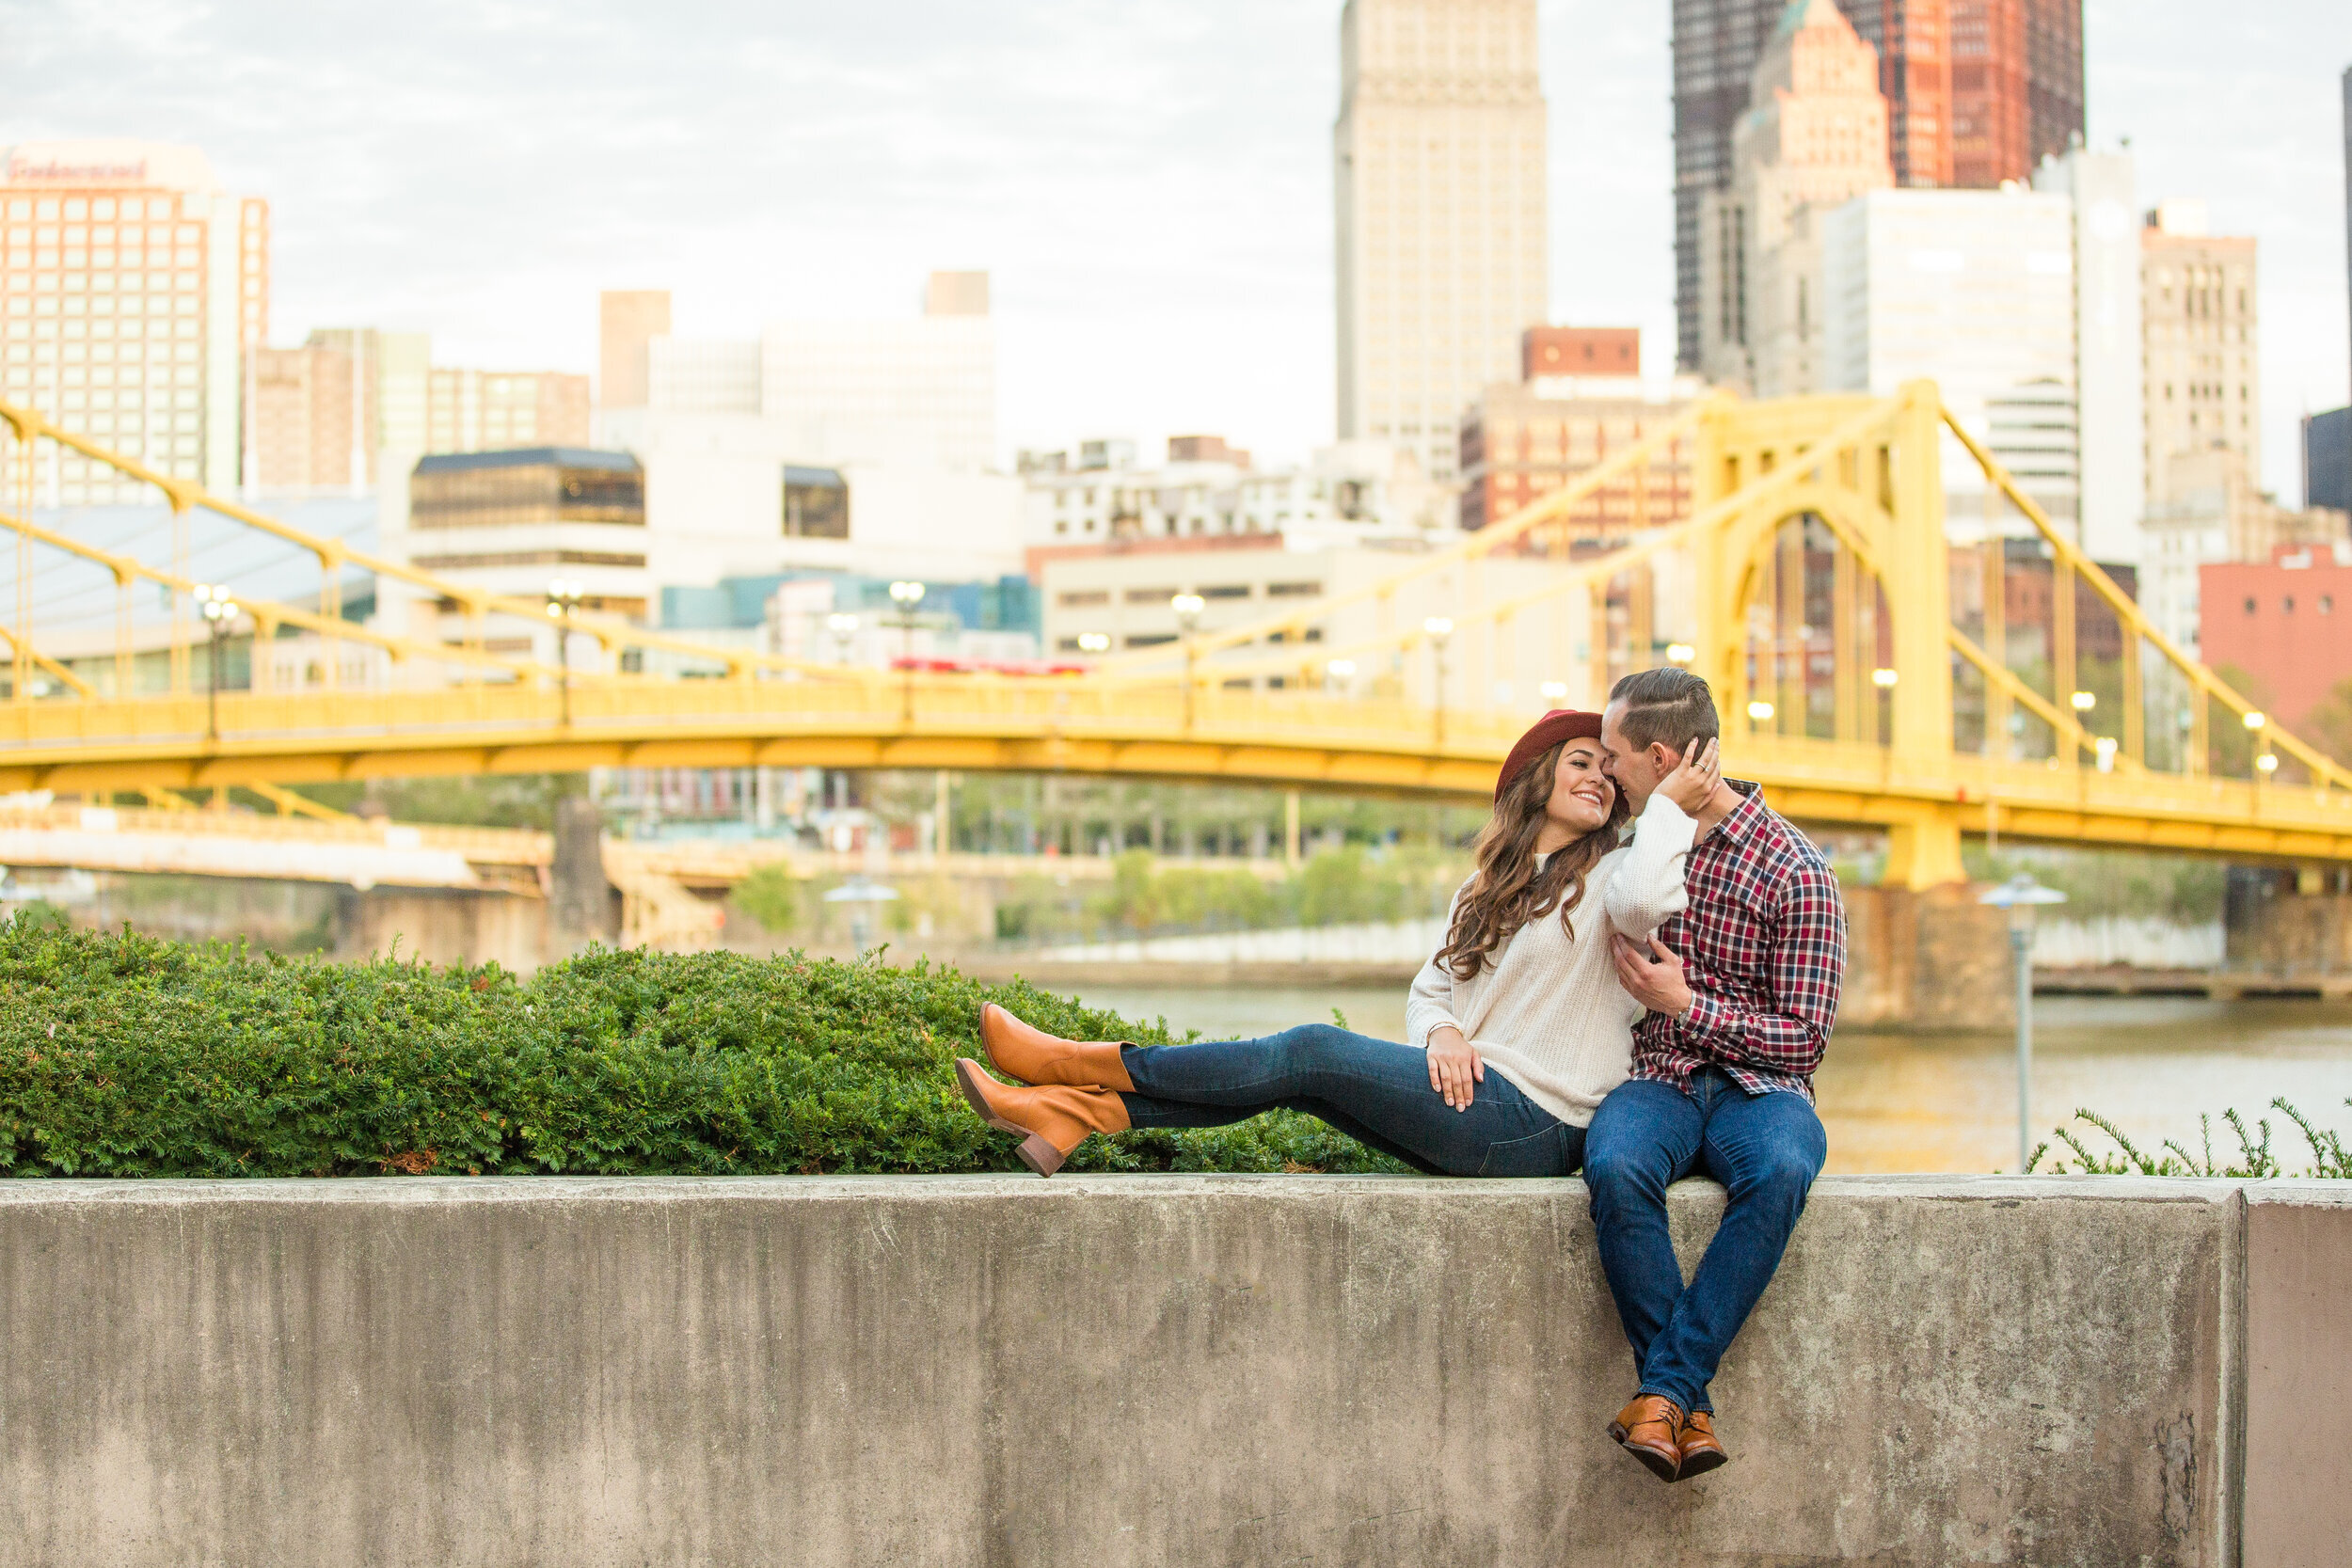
1651,1429
1701,1451
1035,1056
1050,1121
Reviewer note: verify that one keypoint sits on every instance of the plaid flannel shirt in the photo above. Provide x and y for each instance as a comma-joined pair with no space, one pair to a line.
1763,946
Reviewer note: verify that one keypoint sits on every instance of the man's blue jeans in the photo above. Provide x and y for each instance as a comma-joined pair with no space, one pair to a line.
1375,1092
1765,1148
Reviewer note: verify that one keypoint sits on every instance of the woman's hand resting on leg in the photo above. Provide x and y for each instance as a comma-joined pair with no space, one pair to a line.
1454,1067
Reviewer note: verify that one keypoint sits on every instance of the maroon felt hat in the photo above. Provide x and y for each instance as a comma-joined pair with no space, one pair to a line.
1560,724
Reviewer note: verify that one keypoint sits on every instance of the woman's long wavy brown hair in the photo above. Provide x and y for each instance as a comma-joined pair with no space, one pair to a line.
1509,891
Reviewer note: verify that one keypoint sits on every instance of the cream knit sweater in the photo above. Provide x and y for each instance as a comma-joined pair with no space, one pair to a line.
1547,1012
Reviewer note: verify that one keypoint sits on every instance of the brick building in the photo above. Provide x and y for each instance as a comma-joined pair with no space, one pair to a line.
2286,623
1520,442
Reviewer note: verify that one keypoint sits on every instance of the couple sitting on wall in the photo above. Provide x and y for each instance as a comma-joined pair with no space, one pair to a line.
1648,1011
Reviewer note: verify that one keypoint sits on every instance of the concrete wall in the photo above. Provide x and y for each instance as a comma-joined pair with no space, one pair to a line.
1146,1370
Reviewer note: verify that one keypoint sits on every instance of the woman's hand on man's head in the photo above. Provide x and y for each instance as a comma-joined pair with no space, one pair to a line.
1693,782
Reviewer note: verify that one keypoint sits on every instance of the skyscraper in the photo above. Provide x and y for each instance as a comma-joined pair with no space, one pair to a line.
133,284
1438,163
2199,312
1977,91
1815,135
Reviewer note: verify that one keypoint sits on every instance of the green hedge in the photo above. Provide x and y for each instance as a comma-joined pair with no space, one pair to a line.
125,1055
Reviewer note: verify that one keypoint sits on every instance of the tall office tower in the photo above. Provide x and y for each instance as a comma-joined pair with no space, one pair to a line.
1438,161
131,282
2017,87
627,319
1991,114
1815,136
2203,390
1717,43
2054,98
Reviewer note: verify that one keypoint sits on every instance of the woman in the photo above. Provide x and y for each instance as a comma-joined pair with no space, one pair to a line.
1524,984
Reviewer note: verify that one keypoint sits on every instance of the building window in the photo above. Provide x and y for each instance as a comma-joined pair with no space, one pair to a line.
2250,604
816,504
2286,604
1083,598
2326,604
1227,591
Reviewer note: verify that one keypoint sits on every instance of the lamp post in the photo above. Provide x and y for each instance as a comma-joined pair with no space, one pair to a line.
563,598
1554,692
2021,895
843,626
1336,675
219,612
906,596
1187,607
1760,713
1094,642
1439,627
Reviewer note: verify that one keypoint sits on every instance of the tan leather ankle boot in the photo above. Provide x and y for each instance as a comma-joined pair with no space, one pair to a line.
1050,1121
1035,1056
1651,1429
1702,1450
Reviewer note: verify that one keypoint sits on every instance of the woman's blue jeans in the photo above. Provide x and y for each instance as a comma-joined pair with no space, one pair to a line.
1374,1091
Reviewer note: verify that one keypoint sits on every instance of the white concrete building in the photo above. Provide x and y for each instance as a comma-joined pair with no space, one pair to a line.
2110,413
918,392
1974,290
1439,163
1352,490
131,283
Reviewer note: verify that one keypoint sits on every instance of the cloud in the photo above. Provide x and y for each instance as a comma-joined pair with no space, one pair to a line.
1150,184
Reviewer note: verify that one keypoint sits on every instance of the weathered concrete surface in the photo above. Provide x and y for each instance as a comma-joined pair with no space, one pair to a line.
1142,1371
2298,1374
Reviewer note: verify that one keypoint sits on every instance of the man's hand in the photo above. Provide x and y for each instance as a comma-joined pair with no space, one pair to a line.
1453,1065
1693,782
1652,975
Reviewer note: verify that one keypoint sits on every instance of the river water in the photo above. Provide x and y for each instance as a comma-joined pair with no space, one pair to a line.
1948,1102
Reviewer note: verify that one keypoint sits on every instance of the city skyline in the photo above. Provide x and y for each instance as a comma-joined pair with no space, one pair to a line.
1150,192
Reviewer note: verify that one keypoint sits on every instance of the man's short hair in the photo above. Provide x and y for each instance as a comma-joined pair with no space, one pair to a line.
1667,707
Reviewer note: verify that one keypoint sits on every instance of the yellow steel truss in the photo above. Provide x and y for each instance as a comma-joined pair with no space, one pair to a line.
1818,608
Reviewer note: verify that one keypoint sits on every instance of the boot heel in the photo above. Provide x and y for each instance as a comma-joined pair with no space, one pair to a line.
1040,1155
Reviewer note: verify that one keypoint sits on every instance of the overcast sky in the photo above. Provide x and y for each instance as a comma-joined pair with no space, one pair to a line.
1149,183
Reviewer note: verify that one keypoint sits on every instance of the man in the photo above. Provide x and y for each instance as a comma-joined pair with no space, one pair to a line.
1741,990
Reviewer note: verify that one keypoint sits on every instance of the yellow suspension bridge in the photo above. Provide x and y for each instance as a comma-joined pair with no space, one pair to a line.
1864,663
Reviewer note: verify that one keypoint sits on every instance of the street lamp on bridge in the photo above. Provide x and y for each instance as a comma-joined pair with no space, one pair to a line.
220,613
1187,607
906,596
1439,627
563,599
844,628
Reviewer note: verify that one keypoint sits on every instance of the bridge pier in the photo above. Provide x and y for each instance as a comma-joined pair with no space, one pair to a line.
1924,959
444,926
2283,924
